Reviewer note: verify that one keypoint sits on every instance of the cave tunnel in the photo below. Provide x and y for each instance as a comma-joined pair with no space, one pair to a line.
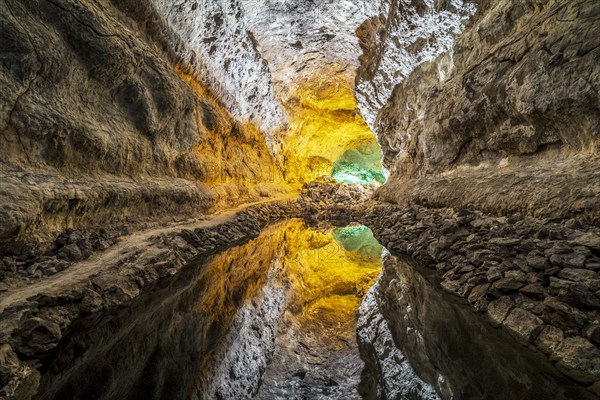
299,199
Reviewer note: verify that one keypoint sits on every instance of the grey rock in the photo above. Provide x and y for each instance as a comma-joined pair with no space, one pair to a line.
581,295
592,332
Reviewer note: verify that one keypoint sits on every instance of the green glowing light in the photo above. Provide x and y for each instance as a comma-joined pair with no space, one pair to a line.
361,165
358,240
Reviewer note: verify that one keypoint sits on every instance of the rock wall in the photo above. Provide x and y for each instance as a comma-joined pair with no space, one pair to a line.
506,120
396,39
220,48
99,128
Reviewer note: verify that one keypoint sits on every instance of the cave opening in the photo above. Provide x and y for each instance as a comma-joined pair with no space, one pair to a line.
327,135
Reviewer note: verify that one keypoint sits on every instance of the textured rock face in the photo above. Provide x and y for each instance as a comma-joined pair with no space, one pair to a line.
397,39
98,127
218,45
517,93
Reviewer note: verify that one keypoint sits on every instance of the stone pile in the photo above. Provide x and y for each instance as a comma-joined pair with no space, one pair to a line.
326,200
537,279
69,247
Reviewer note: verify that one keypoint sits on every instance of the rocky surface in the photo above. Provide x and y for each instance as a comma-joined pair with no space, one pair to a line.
537,279
506,120
218,45
421,343
395,40
100,128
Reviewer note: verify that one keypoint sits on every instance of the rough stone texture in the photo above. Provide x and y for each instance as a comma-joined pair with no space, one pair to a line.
396,40
98,127
523,325
477,257
549,339
576,355
505,121
217,43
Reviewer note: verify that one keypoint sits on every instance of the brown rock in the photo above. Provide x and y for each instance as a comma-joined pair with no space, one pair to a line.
571,260
535,291
578,274
562,315
538,262
499,309
478,292
523,325
592,332
91,301
494,274
590,240
549,339
38,336
578,358
508,285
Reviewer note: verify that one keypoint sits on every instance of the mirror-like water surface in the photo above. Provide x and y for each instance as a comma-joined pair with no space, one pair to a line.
272,319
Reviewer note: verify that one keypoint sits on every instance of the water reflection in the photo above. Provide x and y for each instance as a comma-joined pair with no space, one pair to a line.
281,308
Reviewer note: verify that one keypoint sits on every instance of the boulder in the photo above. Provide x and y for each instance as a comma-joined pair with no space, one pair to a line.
499,309
523,325
578,358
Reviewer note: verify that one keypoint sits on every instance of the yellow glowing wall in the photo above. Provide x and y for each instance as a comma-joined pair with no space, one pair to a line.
324,122
236,160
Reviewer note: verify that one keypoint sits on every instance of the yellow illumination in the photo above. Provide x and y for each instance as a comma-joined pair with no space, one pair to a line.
324,122
325,281
236,161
